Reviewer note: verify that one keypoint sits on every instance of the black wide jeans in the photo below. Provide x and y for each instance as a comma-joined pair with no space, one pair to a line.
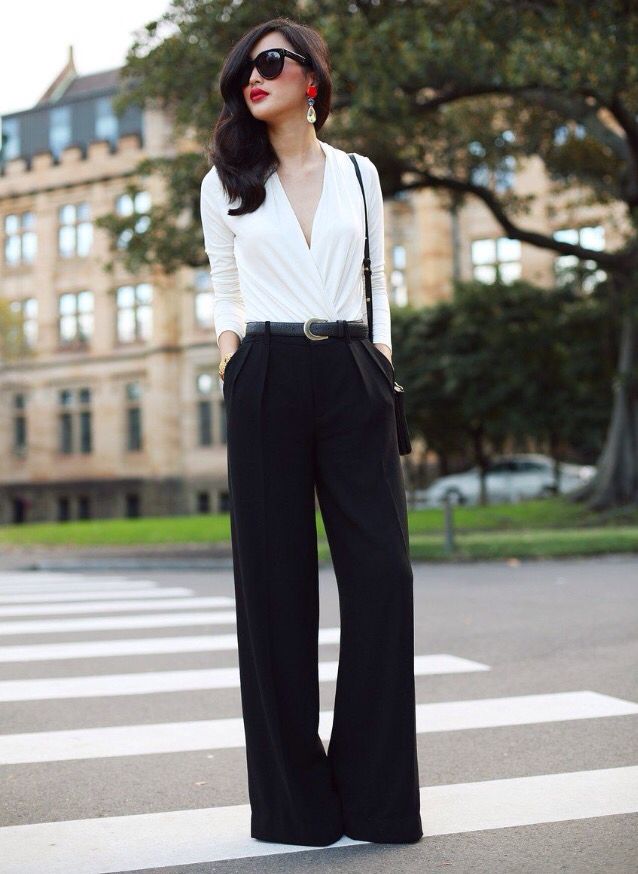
302,415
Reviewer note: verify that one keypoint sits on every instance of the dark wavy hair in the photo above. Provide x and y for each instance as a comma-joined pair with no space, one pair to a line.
239,147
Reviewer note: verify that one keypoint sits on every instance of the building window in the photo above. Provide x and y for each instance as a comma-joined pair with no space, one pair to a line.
139,205
399,257
132,505
134,312
133,395
59,129
501,176
569,269
106,123
86,431
203,502
496,260
10,144
74,421
65,420
203,300
20,244
19,510
19,424
64,509
23,331
75,317
204,409
399,291
75,231
84,507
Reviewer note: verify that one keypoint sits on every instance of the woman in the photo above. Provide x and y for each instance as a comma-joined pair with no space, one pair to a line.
310,405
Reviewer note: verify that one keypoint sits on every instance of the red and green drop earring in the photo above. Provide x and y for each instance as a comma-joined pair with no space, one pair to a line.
311,92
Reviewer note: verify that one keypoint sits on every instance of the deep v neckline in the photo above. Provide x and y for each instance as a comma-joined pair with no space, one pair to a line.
324,185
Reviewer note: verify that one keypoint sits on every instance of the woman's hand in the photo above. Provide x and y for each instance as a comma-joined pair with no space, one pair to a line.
228,342
386,350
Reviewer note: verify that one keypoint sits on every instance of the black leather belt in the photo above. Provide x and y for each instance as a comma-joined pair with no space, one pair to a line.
314,328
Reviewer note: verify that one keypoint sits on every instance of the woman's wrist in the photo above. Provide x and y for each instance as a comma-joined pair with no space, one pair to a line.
386,350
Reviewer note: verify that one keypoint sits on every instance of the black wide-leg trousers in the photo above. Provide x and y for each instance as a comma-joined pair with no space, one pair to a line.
302,415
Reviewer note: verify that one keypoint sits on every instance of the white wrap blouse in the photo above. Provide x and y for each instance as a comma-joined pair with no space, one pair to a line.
262,267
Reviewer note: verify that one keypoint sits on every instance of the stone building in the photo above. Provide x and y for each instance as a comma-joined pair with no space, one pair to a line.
115,409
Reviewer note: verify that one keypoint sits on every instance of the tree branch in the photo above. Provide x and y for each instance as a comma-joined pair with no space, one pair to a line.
627,122
613,260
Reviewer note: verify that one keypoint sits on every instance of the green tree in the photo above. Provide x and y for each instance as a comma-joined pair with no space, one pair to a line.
507,363
450,95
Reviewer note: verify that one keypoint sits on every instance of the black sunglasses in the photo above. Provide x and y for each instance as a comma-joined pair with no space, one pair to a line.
269,63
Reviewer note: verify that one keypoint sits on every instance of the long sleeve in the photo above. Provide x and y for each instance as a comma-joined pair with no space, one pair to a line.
381,320
228,304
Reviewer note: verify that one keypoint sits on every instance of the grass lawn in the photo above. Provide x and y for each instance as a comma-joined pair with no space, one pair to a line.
550,527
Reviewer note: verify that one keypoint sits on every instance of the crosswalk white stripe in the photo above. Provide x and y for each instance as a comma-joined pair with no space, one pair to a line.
111,623
183,837
141,646
519,710
52,576
133,646
209,734
46,590
148,605
181,681
518,801
51,580
61,596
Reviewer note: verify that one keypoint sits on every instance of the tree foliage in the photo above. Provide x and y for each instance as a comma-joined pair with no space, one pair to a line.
439,94
503,364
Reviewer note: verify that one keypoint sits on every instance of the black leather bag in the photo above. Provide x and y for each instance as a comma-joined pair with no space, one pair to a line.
403,435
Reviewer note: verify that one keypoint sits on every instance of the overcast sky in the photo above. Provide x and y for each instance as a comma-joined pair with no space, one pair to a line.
35,36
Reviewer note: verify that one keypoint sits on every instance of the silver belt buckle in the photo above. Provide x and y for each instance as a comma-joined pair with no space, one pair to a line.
309,333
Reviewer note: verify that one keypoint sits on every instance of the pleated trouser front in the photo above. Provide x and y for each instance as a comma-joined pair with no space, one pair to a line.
305,415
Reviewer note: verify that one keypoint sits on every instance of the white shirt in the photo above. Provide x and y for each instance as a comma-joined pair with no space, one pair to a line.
262,267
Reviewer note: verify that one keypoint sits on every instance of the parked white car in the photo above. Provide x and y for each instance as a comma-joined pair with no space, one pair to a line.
509,478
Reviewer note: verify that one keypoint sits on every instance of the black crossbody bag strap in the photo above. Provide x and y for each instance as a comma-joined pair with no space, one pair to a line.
367,272
403,435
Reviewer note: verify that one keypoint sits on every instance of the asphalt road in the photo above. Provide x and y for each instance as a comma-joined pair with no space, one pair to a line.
121,742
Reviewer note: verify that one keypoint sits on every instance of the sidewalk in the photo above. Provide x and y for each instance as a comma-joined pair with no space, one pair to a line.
160,556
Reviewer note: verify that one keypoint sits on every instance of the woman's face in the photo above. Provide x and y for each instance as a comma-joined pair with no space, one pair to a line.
286,94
